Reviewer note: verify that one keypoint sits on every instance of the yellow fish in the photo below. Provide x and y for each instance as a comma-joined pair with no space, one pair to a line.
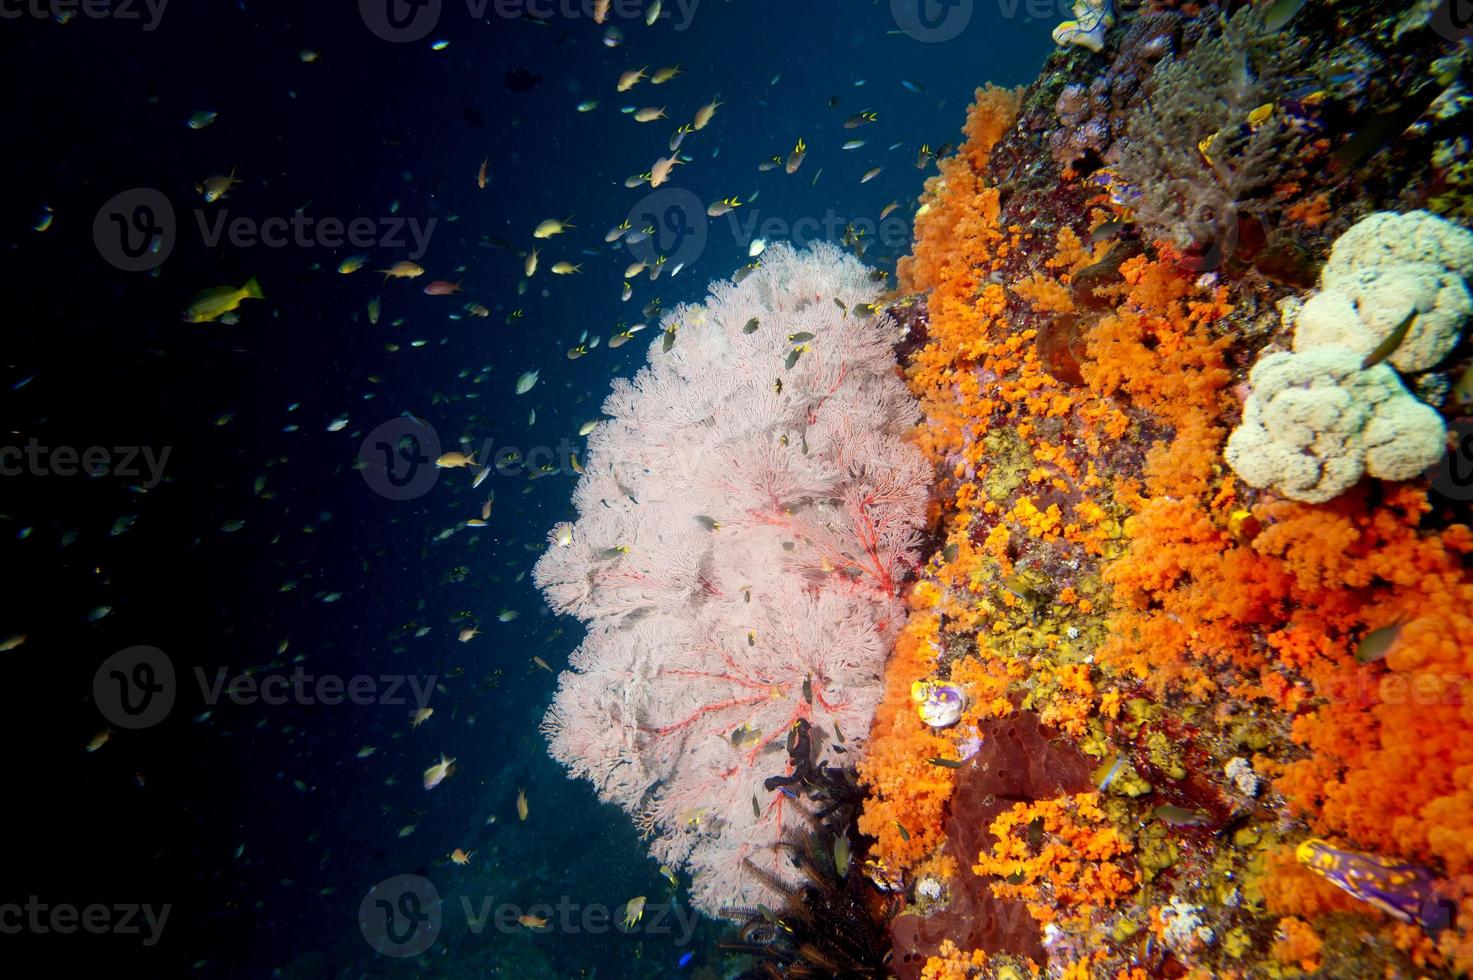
660,172
216,187
665,74
454,460
521,804
403,269
552,226
439,772
629,79
211,304
704,114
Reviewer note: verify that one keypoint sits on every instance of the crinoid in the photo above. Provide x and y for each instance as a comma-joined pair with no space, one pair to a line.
832,922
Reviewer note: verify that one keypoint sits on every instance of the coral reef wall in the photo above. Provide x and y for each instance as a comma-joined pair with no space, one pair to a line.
746,515
1272,695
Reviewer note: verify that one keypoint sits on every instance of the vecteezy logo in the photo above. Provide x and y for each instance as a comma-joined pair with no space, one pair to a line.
400,916
677,228
1453,20
397,458
401,21
932,21
1438,912
135,230
134,688
1452,476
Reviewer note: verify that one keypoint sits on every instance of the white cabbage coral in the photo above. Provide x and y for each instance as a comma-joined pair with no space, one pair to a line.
1316,422
1384,268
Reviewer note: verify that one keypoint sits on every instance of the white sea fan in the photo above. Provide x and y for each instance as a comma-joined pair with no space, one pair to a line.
744,527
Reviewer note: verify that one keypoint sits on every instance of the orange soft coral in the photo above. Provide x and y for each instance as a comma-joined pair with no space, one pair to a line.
953,963
1077,420
1057,854
1298,944
956,224
908,794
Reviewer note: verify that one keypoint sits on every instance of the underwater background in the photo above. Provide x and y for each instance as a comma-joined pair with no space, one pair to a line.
1137,628
260,824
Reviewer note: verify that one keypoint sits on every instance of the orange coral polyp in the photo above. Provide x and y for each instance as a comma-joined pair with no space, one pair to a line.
1205,590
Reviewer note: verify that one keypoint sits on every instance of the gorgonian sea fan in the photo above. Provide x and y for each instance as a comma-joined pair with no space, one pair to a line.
737,559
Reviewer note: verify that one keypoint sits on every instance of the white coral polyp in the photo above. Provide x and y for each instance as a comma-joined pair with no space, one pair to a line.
1384,268
1316,422
737,557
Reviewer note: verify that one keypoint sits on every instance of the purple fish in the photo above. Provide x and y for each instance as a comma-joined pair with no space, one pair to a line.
1406,892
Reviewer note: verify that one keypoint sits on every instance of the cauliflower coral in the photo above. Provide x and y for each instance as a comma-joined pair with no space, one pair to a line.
1384,268
1316,422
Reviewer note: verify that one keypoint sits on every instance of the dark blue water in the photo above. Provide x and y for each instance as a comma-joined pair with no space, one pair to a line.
260,547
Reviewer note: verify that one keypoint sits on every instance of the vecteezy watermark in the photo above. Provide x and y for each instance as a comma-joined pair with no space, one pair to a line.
300,687
122,461
401,459
573,919
150,12
1452,476
1453,20
397,459
678,12
1422,688
137,688
63,918
670,228
1036,10
891,232
136,230
407,21
932,21
403,915
305,231
671,223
